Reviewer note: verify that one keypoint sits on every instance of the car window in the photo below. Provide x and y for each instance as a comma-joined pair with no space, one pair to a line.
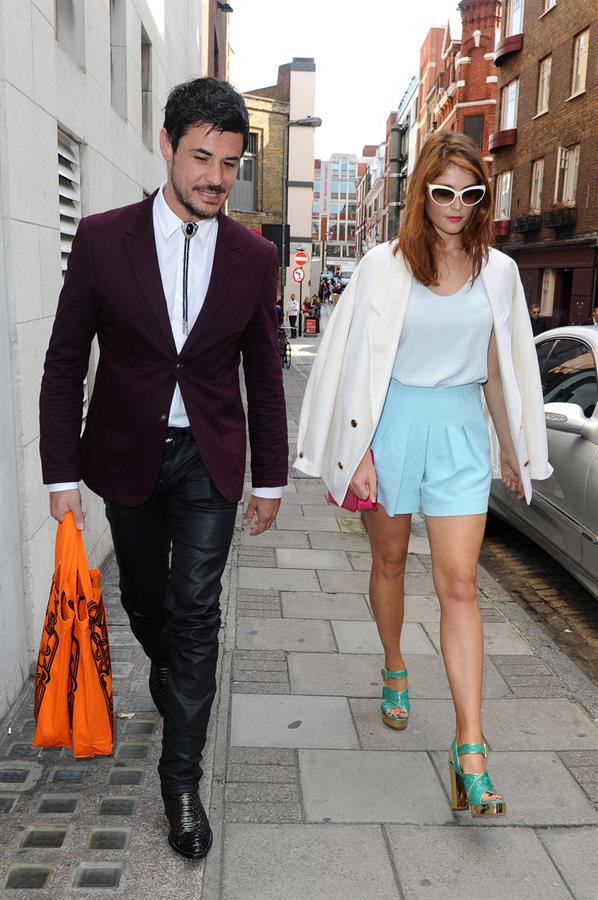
568,372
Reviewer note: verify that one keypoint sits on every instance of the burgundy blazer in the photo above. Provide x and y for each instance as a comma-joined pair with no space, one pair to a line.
113,290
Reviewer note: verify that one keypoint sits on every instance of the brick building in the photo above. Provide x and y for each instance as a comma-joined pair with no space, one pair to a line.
215,48
545,149
371,214
430,58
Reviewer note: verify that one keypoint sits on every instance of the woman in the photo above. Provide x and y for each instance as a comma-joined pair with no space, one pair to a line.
425,321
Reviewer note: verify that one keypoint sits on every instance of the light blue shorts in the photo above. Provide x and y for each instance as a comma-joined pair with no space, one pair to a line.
432,451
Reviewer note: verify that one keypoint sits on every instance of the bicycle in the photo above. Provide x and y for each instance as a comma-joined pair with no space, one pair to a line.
284,348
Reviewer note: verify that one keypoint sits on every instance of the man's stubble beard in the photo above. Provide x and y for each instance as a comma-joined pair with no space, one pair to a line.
191,209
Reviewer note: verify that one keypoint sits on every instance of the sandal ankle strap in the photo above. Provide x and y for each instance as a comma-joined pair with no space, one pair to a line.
473,748
386,673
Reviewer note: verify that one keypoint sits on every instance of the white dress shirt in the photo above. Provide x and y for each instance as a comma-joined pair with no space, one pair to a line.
170,243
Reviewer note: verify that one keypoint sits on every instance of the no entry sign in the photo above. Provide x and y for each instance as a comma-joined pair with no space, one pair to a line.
300,258
298,275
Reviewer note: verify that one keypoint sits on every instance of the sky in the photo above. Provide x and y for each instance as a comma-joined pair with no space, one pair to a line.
365,54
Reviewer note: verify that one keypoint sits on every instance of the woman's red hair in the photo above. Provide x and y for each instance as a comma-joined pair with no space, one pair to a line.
418,240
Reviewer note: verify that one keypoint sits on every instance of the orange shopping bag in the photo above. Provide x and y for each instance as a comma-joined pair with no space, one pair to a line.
85,683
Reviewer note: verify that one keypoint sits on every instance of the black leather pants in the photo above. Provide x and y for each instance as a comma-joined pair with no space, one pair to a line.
174,604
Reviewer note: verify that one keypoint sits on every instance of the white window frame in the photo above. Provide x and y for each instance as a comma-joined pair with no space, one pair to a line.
580,62
509,104
548,292
567,170
544,75
514,17
502,197
537,183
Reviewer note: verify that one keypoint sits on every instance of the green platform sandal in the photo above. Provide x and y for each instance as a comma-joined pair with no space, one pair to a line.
468,789
391,699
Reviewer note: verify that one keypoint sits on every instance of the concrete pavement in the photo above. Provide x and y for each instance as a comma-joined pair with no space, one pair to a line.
311,797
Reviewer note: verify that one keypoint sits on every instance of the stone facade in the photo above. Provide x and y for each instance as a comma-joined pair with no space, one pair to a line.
556,236
98,74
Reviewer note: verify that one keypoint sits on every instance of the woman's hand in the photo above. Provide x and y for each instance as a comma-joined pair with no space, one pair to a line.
511,477
364,484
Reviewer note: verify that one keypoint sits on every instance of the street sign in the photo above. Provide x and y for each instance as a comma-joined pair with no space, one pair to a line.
300,258
298,275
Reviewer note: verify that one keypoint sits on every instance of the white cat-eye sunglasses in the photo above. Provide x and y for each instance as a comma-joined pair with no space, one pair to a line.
443,195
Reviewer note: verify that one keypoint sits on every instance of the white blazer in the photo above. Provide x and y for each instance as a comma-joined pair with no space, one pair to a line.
351,373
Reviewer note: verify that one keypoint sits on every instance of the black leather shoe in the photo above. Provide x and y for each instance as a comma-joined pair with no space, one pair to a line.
190,833
157,686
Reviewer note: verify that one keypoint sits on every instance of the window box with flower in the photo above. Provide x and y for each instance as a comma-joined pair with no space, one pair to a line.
562,214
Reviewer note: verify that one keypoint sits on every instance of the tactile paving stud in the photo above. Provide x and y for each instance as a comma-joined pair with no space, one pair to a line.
70,775
98,875
139,726
22,876
109,838
125,775
7,803
12,776
116,806
132,751
58,803
39,836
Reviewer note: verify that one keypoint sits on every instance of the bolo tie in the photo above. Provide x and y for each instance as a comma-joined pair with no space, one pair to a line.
189,230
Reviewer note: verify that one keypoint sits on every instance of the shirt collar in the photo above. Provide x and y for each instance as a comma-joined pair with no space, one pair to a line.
170,223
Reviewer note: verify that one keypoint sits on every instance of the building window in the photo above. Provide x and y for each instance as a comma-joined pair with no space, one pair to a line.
69,193
535,199
547,296
566,175
70,29
146,89
474,128
243,195
118,56
544,73
510,94
502,201
513,17
580,62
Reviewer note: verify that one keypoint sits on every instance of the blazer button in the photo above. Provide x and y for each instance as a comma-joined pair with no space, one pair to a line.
526,463
179,365
340,465
353,423
301,455
163,417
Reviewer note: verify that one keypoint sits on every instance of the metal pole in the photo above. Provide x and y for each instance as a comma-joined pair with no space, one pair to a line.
283,242
300,332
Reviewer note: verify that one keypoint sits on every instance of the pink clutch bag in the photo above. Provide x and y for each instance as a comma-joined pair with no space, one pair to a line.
352,502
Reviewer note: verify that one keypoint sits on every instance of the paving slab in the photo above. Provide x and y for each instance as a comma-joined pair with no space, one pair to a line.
335,674
416,583
538,725
362,562
319,605
271,538
300,523
312,559
419,544
325,540
260,720
422,609
575,853
277,579
538,788
271,862
284,634
431,726
499,638
366,786
473,863
362,637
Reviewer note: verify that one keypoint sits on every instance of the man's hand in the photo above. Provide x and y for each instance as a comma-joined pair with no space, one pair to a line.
62,502
263,510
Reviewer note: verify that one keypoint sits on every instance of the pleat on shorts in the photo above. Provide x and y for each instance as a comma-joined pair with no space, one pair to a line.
432,451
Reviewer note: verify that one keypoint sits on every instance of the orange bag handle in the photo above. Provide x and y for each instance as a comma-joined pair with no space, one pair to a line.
65,555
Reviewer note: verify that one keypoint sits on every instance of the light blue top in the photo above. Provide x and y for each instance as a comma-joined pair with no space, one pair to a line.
444,340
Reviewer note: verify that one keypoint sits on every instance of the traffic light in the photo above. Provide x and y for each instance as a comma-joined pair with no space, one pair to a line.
274,233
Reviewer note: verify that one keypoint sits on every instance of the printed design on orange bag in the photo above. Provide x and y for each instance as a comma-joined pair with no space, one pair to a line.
99,641
48,648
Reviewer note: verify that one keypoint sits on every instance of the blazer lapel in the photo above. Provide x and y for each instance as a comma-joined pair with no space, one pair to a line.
140,244
226,259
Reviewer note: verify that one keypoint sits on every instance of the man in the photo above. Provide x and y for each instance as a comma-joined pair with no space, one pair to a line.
593,320
292,312
539,325
176,292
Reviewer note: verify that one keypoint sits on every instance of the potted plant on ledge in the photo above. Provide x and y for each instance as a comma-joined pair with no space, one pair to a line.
502,227
561,214
527,220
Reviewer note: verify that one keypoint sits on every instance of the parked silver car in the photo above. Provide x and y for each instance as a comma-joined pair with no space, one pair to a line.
563,515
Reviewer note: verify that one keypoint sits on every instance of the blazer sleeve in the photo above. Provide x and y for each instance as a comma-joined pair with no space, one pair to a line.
324,383
266,408
66,364
525,362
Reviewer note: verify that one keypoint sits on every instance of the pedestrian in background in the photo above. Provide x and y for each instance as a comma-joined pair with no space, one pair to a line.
293,312
539,325
446,315
279,313
336,293
593,320
164,438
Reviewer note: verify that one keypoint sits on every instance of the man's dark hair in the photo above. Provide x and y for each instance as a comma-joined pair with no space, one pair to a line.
205,101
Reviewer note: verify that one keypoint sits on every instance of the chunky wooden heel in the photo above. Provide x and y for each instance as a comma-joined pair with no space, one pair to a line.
468,788
392,699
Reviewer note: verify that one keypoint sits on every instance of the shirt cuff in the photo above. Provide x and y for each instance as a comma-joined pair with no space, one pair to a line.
63,486
268,493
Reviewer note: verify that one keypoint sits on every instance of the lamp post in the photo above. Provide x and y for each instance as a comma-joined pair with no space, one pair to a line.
306,122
